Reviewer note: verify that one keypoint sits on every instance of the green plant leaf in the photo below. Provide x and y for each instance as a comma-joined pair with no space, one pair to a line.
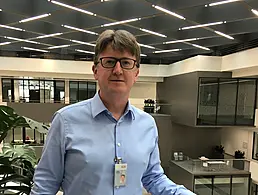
20,151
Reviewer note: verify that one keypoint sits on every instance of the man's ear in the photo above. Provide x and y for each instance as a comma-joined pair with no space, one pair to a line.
136,74
94,70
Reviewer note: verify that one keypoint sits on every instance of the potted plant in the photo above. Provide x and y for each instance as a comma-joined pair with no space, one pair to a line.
239,164
218,152
17,162
149,105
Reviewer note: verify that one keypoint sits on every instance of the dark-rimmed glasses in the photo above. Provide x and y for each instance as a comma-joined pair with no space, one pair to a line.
110,62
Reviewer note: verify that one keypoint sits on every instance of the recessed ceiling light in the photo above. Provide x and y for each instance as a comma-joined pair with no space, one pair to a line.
255,12
79,29
180,41
201,47
33,49
5,43
23,40
73,8
147,46
222,2
10,27
50,35
1,10
166,51
224,35
81,42
34,18
168,12
201,25
152,32
83,51
121,22
59,46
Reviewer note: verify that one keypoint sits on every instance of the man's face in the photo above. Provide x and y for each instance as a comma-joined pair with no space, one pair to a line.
115,80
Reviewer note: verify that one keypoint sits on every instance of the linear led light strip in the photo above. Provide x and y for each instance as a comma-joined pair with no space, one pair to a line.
121,22
166,51
180,41
79,29
83,51
23,40
201,47
10,27
73,8
81,42
147,46
143,55
4,43
50,35
33,49
201,25
35,18
168,12
224,35
152,32
255,11
59,46
221,2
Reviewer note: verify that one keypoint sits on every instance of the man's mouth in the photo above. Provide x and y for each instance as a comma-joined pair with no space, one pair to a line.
116,80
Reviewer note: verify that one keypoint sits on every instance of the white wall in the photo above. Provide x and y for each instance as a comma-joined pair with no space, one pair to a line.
233,139
141,91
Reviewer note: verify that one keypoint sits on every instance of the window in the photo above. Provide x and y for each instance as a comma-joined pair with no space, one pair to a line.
81,90
33,90
255,146
226,101
7,90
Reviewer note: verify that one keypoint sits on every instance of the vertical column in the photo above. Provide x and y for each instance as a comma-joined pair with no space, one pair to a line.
67,94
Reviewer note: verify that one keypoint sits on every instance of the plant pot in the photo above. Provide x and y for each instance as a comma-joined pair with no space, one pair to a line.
239,164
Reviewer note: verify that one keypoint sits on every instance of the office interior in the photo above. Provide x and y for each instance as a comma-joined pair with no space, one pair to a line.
199,66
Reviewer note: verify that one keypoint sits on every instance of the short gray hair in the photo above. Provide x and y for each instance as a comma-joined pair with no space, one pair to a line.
120,40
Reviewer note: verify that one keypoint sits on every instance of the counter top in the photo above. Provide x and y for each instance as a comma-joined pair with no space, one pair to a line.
197,169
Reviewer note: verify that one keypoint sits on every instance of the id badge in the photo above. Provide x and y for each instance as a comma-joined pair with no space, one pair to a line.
120,174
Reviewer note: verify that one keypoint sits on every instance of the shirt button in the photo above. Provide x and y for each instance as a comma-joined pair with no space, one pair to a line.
118,144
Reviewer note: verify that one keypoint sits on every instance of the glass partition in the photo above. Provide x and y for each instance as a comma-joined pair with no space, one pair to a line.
203,185
208,100
240,185
245,102
221,185
226,101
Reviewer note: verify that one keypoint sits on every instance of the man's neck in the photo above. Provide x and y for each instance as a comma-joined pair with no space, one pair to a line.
114,103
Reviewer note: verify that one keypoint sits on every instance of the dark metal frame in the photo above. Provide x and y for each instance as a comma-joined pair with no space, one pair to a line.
39,80
212,177
217,102
253,155
78,89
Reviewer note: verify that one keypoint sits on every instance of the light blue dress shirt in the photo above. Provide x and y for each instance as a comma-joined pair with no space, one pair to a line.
82,143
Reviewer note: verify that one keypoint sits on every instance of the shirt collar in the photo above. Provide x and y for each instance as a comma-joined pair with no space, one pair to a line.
98,107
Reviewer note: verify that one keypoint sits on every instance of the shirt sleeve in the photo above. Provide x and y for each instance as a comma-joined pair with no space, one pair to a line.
155,181
49,172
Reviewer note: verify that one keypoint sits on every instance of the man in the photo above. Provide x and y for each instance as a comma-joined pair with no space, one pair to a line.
92,143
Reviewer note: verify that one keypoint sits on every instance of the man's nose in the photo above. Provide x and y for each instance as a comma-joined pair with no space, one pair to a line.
117,69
